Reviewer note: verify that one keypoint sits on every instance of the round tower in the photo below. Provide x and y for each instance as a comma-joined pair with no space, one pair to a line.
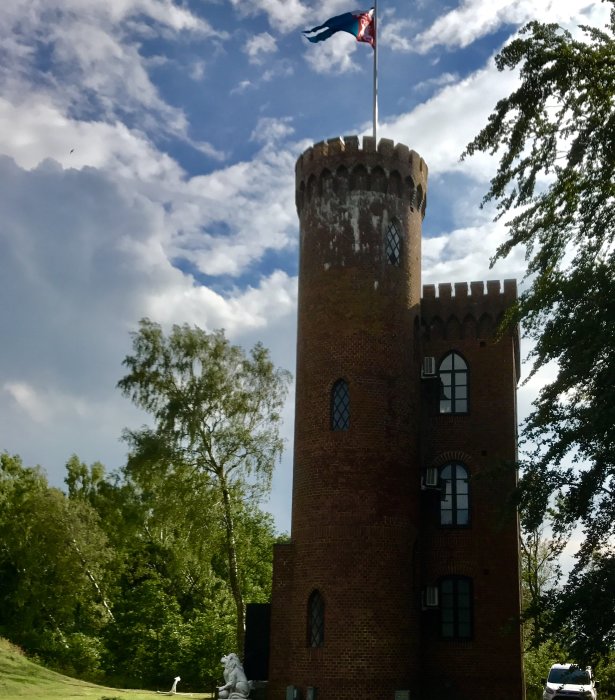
354,600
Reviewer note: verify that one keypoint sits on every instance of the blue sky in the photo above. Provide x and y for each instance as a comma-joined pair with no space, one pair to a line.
147,152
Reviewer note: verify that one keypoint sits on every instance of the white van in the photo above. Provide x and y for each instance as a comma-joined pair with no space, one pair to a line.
570,681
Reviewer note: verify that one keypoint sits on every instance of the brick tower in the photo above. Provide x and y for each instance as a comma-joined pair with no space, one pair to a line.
398,561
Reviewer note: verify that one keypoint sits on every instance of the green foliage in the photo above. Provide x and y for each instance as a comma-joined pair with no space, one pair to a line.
605,673
161,605
540,574
556,139
53,561
137,577
584,618
537,662
215,438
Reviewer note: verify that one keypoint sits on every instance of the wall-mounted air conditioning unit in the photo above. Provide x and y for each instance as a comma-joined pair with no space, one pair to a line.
292,692
430,597
431,477
429,367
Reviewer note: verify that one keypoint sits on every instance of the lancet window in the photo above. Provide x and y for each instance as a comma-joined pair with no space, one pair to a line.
316,620
340,405
392,244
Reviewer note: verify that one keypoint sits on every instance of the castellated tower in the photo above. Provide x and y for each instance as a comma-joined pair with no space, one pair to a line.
397,560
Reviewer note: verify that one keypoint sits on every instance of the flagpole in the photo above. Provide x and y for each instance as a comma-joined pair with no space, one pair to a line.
376,41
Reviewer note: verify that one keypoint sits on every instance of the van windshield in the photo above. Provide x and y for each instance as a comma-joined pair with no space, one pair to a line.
574,676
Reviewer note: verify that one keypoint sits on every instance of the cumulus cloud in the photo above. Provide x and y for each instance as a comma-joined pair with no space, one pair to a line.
236,213
283,15
397,34
86,56
270,130
336,55
83,256
440,128
259,47
474,19
461,255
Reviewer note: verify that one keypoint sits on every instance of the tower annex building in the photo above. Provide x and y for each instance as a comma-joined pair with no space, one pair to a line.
401,577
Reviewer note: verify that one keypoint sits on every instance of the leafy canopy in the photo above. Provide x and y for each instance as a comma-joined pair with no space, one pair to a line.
215,408
217,413
555,136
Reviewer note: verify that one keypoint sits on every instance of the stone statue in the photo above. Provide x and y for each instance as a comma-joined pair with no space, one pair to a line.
236,685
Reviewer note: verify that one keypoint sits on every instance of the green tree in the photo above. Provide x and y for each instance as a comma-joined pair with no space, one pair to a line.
53,562
540,573
584,620
216,413
556,138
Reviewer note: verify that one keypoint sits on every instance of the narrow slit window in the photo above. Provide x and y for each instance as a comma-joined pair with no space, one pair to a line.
316,620
393,244
340,406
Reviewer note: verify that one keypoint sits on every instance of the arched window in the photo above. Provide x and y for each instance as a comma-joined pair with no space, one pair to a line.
455,502
453,373
315,620
392,244
456,607
340,406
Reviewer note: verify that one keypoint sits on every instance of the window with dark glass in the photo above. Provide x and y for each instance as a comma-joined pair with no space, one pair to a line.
316,620
456,607
392,244
455,502
453,374
340,406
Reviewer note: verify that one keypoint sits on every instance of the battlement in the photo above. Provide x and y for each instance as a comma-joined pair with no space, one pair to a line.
475,302
473,312
342,165
497,295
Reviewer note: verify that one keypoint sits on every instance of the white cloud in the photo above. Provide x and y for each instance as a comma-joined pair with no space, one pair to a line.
240,313
462,255
35,406
397,34
83,256
283,15
234,214
34,128
439,81
241,87
440,128
259,47
93,61
474,19
270,130
335,55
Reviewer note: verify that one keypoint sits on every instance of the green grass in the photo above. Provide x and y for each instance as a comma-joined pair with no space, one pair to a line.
21,679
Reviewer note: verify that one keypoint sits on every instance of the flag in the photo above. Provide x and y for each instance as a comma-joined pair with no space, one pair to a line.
359,23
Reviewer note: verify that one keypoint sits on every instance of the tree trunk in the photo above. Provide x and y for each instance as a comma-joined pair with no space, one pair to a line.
240,625
93,580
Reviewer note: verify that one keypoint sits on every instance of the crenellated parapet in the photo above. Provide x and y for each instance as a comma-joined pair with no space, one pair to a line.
480,307
340,166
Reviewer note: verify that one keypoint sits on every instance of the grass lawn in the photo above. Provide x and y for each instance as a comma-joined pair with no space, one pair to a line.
21,679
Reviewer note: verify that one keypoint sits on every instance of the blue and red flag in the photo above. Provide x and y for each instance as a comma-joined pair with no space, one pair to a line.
359,23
